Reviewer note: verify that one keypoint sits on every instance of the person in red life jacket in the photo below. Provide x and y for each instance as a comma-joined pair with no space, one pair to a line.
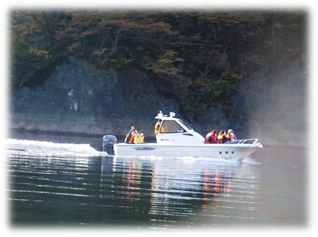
129,134
222,137
211,137
231,135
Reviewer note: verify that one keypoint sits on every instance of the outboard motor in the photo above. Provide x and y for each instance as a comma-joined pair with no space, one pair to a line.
108,144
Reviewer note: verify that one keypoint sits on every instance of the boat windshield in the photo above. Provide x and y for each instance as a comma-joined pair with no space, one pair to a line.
188,127
170,126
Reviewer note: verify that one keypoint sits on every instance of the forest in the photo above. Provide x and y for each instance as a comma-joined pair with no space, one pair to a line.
197,57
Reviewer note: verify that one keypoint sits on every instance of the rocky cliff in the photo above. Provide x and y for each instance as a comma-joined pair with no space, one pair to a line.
78,98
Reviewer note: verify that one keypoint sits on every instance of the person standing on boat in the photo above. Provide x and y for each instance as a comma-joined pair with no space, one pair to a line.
231,135
211,137
129,134
157,126
222,137
139,138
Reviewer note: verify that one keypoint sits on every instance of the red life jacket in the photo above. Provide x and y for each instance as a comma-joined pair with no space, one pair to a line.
207,137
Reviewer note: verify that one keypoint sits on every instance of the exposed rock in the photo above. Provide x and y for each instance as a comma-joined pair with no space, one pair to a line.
78,98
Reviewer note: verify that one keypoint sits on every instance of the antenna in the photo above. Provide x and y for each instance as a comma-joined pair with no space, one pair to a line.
160,114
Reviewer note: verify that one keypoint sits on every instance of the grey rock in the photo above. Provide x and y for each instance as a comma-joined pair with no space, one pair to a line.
78,98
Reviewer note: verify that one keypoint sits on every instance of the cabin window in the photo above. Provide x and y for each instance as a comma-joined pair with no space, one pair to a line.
171,126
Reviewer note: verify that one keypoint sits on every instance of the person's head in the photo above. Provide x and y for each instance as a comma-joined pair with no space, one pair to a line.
141,133
222,132
230,131
215,131
132,128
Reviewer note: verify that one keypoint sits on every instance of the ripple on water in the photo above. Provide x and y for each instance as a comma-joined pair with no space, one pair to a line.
58,184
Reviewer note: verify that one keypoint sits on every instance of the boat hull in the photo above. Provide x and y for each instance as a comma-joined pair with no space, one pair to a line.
236,152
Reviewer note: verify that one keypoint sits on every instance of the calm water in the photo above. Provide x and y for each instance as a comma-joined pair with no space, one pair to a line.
62,184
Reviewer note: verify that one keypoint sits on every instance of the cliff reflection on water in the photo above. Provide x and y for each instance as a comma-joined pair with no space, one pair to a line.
82,188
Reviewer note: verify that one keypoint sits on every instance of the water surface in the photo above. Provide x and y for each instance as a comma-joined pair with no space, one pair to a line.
62,184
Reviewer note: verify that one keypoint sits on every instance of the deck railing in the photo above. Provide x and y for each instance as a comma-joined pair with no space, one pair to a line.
244,141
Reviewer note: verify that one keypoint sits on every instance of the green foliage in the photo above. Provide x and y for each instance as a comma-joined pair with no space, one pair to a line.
197,57
168,63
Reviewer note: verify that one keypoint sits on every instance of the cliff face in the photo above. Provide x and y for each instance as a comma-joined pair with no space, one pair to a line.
79,98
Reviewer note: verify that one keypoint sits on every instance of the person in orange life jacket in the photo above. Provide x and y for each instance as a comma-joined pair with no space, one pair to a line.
231,135
134,134
211,137
222,137
157,126
129,134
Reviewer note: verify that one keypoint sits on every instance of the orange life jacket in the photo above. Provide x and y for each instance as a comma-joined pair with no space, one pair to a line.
132,138
128,136
220,138
231,136
157,126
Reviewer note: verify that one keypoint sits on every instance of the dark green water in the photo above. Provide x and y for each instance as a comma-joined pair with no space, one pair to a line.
53,184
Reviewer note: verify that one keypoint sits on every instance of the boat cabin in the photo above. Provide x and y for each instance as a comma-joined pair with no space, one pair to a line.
174,131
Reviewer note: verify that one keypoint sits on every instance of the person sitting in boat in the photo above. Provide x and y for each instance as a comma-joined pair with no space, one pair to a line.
222,137
211,137
157,126
139,138
166,127
134,134
129,135
232,136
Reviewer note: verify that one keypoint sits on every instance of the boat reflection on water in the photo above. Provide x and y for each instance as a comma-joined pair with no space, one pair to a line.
69,184
170,189
192,181
132,180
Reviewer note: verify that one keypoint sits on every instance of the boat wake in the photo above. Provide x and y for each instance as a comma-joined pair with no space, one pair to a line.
40,148
251,160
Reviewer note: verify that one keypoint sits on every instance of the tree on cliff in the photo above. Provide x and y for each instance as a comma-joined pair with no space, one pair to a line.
197,57
98,36
31,36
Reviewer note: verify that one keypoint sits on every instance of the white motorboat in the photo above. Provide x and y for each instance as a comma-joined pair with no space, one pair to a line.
177,139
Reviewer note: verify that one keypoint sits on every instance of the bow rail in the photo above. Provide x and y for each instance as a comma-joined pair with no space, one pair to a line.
245,141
